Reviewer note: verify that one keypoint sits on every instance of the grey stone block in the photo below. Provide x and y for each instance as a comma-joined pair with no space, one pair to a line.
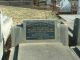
64,34
44,51
78,41
76,33
16,35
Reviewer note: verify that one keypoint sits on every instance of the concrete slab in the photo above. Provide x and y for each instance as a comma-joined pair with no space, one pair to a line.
69,20
12,53
69,17
44,51
78,48
73,26
1,50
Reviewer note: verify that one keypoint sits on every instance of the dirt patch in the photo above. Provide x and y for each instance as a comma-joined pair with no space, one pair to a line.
20,13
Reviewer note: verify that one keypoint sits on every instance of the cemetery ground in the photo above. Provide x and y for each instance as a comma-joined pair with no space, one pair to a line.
18,14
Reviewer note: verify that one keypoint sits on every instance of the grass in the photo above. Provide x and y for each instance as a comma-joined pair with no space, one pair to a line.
20,13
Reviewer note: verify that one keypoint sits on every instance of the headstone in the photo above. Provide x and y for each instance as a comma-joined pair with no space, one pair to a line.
78,7
31,31
65,6
32,50
78,41
49,2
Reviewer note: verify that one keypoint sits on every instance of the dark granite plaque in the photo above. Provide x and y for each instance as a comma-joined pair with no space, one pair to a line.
40,30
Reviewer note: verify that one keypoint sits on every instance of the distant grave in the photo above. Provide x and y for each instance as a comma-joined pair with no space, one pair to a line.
73,23
17,3
68,7
64,6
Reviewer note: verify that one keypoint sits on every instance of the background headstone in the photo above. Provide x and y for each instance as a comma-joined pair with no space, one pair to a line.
65,6
78,7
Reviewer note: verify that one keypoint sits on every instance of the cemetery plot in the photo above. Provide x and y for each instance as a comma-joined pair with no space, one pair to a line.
72,22
42,51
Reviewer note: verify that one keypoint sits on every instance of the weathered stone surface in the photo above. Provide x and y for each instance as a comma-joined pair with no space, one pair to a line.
77,25
41,33
64,34
44,51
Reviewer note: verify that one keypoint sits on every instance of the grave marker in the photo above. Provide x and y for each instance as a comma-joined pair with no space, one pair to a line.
31,31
